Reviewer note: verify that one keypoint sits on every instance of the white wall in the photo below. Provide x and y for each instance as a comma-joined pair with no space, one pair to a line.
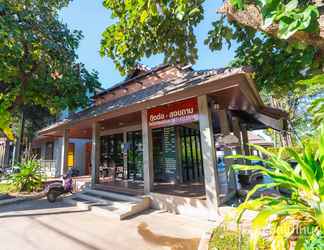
79,153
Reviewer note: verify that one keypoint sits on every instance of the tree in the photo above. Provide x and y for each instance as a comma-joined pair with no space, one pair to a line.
39,64
282,40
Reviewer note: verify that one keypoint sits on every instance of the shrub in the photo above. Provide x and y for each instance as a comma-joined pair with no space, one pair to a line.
6,188
295,220
29,177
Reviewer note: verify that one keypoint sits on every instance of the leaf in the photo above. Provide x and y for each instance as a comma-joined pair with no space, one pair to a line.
292,5
239,4
144,16
8,132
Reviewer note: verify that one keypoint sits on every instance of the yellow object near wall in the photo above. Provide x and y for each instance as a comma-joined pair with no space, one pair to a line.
70,158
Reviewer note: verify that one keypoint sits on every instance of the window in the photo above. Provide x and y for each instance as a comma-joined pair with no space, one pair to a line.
36,152
70,161
49,150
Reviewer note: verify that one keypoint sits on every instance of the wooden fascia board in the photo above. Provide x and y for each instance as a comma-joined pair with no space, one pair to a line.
277,124
248,88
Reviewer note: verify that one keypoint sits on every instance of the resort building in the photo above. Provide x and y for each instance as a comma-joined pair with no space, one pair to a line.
163,132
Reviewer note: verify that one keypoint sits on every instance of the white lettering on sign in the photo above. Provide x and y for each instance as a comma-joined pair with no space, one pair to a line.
175,113
158,117
181,112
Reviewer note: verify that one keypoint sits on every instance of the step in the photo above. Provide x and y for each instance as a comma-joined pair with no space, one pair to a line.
114,196
110,204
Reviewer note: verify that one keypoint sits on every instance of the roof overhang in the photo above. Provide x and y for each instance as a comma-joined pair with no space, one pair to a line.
246,98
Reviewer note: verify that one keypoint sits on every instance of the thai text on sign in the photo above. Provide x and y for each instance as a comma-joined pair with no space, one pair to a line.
174,113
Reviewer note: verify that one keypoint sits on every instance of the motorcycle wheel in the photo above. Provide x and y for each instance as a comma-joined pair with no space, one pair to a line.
51,196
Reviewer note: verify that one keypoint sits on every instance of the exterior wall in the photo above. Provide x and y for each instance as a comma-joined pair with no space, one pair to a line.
79,155
4,152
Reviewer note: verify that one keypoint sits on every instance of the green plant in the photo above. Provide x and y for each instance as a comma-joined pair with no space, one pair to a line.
298,216
292,16
222,236
6,188
29,177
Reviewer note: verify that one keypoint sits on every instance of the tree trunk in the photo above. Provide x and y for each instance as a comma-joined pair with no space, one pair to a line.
19,141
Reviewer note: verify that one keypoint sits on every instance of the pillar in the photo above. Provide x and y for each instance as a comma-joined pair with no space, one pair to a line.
245,139
225,130
246,150
237,132
64,151
178,159
208,152
125,150
95,153
147,154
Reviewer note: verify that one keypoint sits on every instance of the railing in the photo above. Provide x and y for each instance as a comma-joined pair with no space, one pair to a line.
48,167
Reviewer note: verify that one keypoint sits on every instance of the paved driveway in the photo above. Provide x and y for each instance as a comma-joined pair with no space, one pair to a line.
41,225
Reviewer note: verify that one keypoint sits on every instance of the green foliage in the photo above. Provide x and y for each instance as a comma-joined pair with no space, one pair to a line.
317,109
29,177
6,188
39,62
291,16
222,236
301,213
146,27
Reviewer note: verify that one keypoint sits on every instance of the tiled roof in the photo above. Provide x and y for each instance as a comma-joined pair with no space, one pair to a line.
188,79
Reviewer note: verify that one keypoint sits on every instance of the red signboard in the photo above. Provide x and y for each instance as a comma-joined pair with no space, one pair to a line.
174,113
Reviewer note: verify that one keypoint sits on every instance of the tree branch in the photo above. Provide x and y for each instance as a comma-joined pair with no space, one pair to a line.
251,17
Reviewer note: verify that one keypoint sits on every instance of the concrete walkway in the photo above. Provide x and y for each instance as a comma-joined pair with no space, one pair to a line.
41,225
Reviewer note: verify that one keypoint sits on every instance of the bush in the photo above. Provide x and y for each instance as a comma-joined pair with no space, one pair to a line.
29,177
295,220
6,188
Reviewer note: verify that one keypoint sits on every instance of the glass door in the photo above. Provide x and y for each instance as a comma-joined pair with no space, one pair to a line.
135,156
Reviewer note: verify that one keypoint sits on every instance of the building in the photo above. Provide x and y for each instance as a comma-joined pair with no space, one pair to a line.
47,150
156,133
6,149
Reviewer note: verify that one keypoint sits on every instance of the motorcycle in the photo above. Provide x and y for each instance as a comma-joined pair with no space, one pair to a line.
56,189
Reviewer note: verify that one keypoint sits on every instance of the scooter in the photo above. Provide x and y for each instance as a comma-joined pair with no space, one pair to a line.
56,189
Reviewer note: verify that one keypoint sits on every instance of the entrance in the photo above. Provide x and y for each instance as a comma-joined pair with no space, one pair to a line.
112,162
191,157
114,150
134,149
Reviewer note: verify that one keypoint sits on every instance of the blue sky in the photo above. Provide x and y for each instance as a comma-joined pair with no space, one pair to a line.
92,18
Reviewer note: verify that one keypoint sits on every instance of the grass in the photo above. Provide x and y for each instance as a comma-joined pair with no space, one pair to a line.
226,239
6,188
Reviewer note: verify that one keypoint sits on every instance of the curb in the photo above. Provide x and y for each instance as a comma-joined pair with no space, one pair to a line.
205,238
21,198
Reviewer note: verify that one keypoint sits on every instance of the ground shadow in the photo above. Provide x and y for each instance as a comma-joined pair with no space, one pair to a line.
36,208
174,243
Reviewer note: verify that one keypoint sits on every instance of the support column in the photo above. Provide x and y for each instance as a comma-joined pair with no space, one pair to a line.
223,120
246,150
225,130
178,159
64,151
208,152
245,140
95,154
125,150
237,132
147,154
